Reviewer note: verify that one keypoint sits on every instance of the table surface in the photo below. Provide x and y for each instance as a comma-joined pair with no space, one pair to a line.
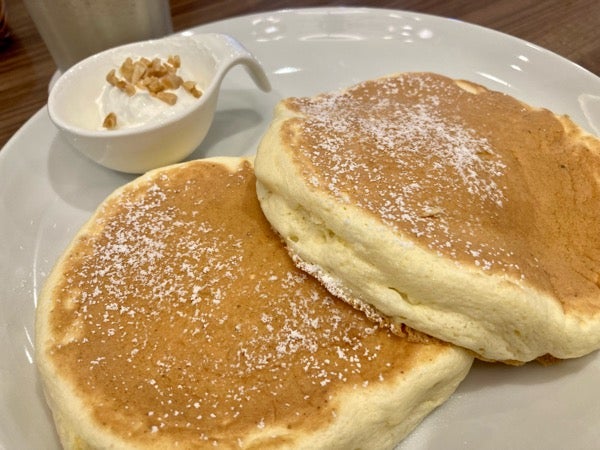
570,28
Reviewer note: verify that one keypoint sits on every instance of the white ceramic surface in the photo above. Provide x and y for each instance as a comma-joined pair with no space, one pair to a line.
47,190
207,57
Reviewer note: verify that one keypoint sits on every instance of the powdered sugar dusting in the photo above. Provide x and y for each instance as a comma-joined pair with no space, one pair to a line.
399,148
196,315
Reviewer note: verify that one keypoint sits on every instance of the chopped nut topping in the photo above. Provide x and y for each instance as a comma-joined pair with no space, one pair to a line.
167,97
153,84
175,61
171,81
126,87
111,77
154,76
139,70
126,68
110,121
190,86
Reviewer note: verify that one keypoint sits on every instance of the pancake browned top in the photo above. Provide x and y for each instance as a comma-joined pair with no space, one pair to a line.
471,174
179,316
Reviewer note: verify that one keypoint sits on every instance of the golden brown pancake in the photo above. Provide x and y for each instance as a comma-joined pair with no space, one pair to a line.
459,211
176,319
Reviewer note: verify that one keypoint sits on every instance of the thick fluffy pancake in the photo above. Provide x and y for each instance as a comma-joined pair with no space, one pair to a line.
176,319
459,211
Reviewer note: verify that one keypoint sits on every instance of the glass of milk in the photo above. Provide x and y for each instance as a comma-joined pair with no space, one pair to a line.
75,29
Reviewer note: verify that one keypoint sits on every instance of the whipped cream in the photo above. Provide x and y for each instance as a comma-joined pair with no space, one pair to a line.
141,108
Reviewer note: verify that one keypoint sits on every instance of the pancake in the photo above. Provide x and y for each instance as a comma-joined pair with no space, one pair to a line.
176,319
459,211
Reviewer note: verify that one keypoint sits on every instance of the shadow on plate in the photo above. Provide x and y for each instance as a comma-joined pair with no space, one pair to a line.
79,181
484,375
51,438
230,134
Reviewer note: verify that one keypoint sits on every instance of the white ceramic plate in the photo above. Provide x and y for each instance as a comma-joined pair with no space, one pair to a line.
47,190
